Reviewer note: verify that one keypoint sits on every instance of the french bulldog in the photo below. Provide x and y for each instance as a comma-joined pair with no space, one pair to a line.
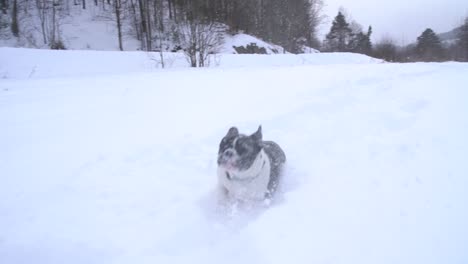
249,168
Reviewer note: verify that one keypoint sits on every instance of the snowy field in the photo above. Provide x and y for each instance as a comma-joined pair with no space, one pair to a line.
104,159
33,63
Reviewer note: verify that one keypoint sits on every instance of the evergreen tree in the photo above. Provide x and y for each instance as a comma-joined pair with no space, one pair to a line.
362,43
340,35
366,43
429,47
462,43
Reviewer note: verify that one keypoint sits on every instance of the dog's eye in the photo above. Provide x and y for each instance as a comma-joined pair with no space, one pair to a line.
224,141
242,148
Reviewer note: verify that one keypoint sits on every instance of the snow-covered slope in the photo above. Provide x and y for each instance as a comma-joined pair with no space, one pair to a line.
243,40
95,29
120,168
32,63
90,29
81,29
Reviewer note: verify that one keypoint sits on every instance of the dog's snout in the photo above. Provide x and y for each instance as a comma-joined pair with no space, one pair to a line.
226,156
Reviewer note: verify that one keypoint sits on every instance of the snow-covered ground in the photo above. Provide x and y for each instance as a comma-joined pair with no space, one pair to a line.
115,163
33,63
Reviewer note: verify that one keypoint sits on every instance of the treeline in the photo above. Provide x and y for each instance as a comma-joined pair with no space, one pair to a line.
289,23
348,36
427,48
197,27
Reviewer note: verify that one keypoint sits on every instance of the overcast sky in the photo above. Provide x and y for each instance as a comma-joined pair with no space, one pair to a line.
403,20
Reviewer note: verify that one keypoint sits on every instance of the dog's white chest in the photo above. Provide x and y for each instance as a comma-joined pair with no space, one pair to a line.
251,184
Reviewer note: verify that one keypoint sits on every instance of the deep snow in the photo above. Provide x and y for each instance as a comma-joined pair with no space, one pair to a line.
119,165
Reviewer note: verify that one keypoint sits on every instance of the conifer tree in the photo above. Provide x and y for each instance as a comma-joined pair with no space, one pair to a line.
462,43
429,47
339,37
361,42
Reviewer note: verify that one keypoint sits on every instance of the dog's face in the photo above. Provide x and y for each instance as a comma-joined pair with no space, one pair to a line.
238,152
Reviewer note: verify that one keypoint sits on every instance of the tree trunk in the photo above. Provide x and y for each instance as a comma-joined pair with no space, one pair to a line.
161,52
174,12
169,3
52,42
14,19
135,20
84,4
143,27
40,5
117,4
149,39
4,6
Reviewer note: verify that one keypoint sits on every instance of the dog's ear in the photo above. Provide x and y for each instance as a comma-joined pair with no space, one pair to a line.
257,136
233,132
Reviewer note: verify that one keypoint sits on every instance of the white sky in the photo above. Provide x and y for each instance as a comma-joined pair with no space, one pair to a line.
403,20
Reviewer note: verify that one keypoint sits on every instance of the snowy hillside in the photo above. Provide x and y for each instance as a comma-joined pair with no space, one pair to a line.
104,159
95,29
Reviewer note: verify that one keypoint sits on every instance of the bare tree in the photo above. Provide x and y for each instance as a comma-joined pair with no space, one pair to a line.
145,24
50,17
42,10
386,49
316,19
200,39
160,28
135,19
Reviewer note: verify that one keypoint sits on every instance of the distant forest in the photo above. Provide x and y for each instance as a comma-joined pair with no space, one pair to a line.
197,27
347,36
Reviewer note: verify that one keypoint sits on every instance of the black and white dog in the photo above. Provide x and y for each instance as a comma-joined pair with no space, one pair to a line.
248,167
